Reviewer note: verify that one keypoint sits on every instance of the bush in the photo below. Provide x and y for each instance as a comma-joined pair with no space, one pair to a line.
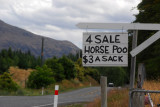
116,75
42,77
80,72
69,68
57,68
6,82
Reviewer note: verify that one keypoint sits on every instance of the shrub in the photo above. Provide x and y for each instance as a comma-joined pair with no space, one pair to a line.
57,68
117,75
42,77
69,68
6,82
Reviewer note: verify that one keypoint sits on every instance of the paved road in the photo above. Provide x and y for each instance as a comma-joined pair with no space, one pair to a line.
81,95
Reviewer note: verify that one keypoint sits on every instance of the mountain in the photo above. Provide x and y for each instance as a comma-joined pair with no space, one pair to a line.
17,38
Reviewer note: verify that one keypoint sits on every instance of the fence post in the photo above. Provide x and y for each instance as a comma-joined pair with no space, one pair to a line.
141,74
103,82
138,99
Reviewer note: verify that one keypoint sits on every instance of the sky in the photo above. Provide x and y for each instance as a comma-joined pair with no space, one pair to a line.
57,19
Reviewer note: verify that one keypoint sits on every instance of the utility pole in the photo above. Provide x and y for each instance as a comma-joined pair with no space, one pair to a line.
79,53
42,51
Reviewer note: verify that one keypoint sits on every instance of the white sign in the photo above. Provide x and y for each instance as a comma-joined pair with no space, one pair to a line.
105,49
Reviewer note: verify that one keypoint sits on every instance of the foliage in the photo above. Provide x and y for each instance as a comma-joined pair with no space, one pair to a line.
6,83
74,57
42,77
116,75
17,58
69,69
57,68
80,70
152,69
64,68
149,12
94,73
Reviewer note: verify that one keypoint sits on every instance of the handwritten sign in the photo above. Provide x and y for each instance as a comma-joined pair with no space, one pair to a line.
105,49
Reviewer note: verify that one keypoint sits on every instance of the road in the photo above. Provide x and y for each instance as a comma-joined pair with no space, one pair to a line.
77,96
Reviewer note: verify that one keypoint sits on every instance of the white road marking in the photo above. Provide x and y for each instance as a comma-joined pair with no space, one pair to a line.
60,103
43,105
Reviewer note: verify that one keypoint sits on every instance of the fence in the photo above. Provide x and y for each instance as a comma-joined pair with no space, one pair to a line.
141,97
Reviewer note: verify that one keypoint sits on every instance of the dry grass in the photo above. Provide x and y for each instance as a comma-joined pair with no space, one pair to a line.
66,85
95,103
153,85
20,76
120,98
116,98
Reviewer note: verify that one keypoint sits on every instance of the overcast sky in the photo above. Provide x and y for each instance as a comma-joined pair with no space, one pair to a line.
57,18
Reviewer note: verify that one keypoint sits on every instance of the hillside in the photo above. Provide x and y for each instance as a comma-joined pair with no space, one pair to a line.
17,38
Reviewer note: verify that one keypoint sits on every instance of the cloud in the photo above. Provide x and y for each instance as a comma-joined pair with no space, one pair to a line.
57,18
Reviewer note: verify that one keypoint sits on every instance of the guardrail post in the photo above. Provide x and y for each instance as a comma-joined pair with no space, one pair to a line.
56,96
42,90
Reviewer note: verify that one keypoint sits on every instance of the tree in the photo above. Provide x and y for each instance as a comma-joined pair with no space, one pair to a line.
6,82
69,68
42,77
116,75
57,68
74,57
79,70
82,72
17,58
149,12
94,73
